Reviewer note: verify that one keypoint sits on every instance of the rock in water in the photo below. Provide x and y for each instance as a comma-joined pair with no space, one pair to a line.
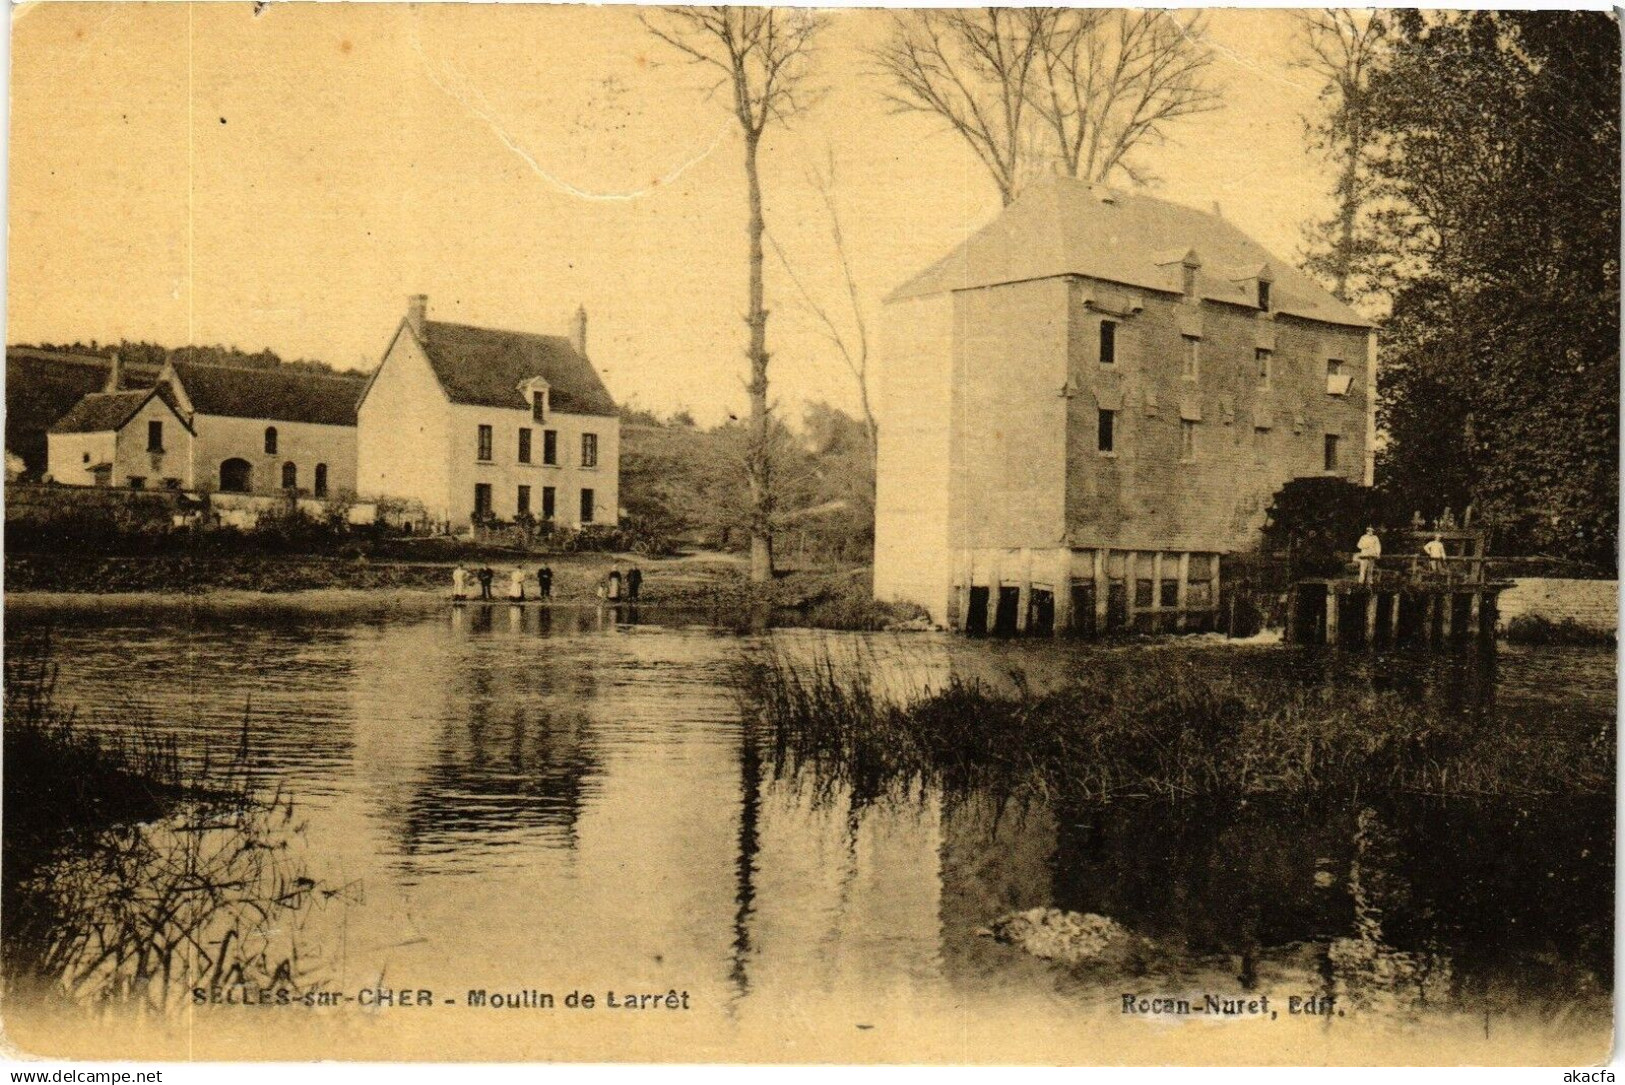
1055,935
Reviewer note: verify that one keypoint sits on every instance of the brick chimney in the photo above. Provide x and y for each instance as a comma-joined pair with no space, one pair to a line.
417,311
115,375
578,331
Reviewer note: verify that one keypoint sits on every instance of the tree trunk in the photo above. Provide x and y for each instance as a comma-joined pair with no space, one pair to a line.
758,465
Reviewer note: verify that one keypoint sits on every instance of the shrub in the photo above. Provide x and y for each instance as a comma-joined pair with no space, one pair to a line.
1536,630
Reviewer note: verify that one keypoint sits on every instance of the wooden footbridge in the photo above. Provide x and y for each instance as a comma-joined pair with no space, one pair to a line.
1409,600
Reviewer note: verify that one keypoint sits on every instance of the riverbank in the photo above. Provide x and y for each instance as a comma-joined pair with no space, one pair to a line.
121,860
714,584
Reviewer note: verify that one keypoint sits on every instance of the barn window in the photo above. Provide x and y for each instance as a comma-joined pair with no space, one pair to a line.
1338,378
1108,342
270,440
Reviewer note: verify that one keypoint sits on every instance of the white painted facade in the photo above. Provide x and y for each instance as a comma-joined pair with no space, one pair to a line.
71,457
911,486
505,474
303,444
403,431
414,444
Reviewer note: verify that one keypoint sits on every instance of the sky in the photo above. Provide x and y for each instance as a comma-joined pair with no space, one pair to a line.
196,173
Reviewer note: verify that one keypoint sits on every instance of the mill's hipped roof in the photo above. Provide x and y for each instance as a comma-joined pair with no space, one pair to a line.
279,395
105,412
1063,226
485,367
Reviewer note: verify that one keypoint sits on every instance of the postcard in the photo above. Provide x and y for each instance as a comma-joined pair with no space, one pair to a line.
578,534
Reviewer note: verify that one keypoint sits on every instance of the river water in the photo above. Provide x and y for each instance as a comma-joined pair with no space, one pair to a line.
558,801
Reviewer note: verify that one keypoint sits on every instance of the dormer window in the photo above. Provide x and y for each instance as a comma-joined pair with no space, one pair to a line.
1264,295
536,393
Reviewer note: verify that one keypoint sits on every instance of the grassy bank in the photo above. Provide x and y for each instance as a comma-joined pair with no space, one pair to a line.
128,879
1209,725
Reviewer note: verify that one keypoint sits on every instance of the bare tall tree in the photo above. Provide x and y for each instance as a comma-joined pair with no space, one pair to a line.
844,327
1111,81
1025,86
972,69
762,56
1344,48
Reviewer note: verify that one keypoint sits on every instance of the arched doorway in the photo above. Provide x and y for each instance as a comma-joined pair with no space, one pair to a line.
236,476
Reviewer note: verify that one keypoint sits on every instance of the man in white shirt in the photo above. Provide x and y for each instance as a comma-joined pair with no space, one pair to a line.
1370,549
1434,549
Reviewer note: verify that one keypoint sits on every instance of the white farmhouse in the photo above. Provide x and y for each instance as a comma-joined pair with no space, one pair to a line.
213,428
474,422
132,439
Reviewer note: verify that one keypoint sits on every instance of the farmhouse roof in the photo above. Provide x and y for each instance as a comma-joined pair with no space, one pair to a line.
279,395
104,412
1063,226
484,367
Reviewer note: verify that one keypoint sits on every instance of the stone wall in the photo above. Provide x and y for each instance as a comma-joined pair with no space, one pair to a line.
1590,603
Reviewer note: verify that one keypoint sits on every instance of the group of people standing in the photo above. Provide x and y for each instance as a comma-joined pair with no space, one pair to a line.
485,577
613,587
1369,549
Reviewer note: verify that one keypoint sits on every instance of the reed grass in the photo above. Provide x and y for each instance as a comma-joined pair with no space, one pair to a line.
131,879
1141,725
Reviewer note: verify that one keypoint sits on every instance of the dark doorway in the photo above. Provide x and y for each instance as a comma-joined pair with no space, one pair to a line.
1004,622
1040,613
1116,605
236,476
1083,610
976,613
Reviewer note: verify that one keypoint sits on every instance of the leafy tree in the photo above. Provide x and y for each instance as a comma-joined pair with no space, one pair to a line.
1495,154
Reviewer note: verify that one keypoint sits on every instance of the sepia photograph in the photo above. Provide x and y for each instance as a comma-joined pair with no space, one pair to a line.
563,533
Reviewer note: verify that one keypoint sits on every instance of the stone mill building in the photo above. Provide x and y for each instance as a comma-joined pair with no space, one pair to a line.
1090,403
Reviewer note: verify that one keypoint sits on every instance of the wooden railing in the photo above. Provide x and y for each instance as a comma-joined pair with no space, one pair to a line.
1421,569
